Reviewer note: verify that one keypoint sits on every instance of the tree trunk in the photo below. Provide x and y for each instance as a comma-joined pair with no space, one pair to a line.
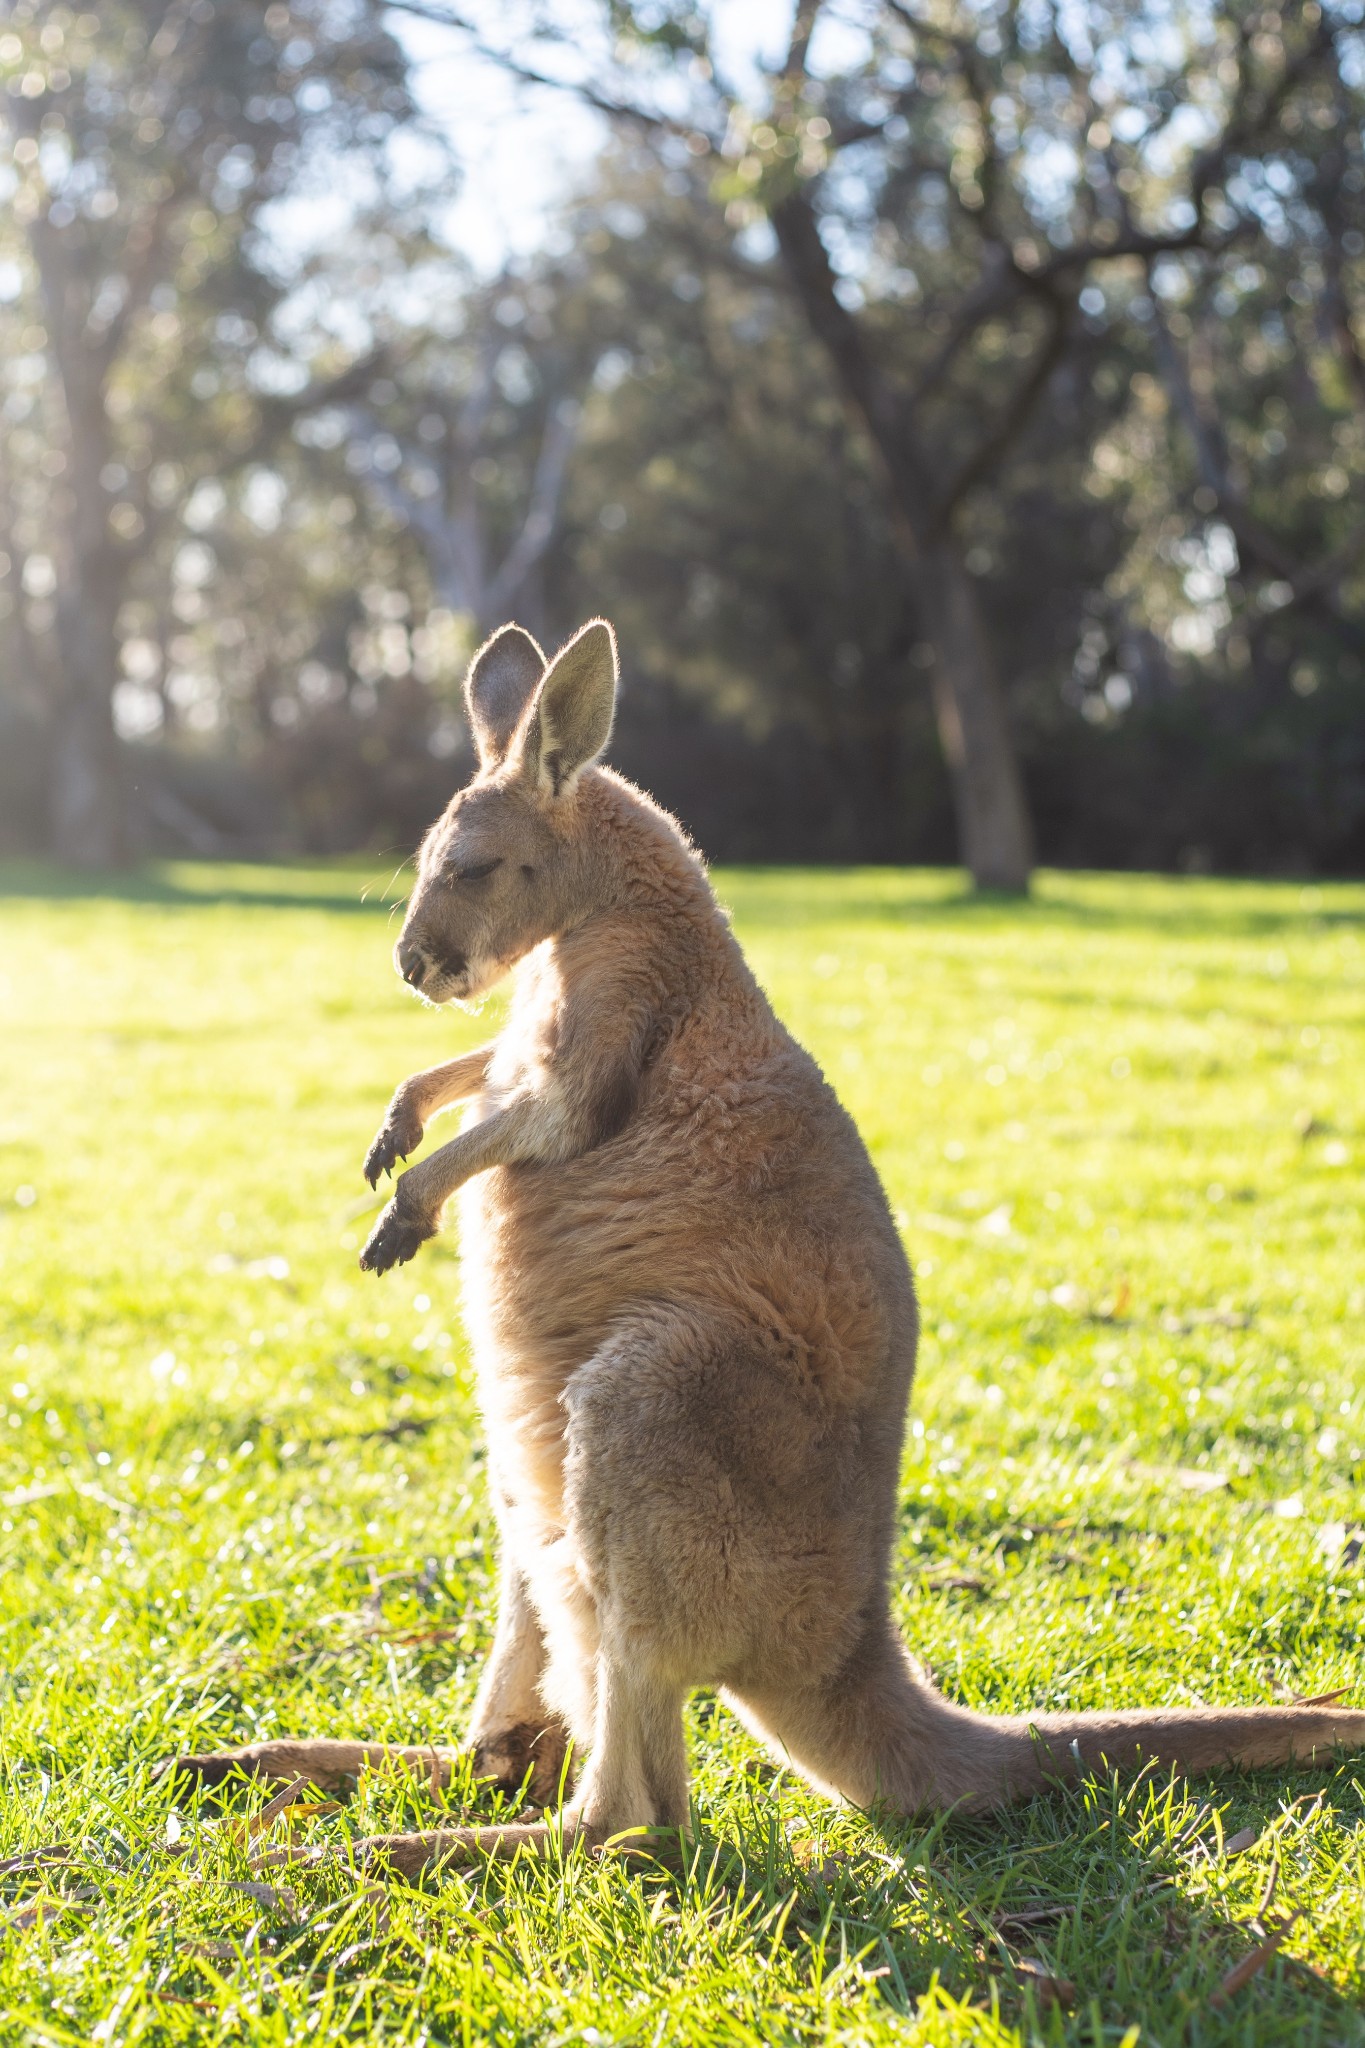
87,794
973,721
87,801
87,797
994,830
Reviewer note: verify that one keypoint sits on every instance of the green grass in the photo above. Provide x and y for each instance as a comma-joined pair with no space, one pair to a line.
241,1484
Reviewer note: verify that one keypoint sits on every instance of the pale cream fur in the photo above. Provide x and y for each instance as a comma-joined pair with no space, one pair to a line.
694,1327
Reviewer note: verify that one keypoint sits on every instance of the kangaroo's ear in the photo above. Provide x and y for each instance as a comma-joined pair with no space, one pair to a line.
570,720
501,682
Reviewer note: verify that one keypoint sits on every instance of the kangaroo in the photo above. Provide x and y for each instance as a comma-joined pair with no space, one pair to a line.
694,1328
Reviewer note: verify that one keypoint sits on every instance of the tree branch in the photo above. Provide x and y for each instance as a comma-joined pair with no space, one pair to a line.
278,414
547,485
865,388
1013,419
1309,583
142,251
619,110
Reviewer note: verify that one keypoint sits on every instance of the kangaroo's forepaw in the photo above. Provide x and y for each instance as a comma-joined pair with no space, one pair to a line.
395,1239
398,1138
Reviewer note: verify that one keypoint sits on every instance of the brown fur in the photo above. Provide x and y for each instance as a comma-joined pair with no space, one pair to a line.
693,1322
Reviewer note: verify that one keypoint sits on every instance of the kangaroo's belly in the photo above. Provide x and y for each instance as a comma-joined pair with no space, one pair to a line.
553,1258
736,1198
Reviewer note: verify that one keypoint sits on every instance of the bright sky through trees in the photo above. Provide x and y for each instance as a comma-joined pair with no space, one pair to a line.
522,149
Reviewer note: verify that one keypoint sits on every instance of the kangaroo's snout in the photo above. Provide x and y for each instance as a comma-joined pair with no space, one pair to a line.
418,961
410,961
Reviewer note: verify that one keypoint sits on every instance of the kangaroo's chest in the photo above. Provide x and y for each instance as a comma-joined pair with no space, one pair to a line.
535,1312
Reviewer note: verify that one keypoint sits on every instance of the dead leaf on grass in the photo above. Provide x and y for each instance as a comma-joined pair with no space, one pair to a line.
823,1867
953,1582
34,1859
276,1898
246,1831
1186,1478
1244,1839
48,1907
1115,1308
1037,1914
288,1859
413,1638
1223,1318
214,1951
1232,1845
1049,1989
1253,1963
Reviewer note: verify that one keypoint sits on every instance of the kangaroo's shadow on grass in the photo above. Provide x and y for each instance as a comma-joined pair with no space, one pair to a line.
1081,1912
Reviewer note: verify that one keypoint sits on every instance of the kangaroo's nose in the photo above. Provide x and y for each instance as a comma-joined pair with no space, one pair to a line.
410,962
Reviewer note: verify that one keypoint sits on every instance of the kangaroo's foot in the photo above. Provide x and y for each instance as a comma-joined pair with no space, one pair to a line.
333,1766
414,1856
410,1856
506,1755
399,1136
396,1238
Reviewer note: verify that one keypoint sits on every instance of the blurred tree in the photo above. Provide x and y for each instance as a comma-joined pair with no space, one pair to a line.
943,186
1153,530
472,451
147,142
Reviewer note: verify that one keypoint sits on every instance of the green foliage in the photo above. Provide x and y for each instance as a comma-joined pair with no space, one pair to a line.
241,1485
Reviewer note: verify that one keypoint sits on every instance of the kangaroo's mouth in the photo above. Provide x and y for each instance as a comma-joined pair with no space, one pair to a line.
474,979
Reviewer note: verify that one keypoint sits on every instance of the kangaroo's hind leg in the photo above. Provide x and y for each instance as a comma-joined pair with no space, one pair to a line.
511,1730
637,1572
324,1761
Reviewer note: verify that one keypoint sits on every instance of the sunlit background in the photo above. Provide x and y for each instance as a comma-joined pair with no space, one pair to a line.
959,409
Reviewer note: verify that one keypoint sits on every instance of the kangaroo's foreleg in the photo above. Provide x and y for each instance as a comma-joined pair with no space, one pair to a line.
515,1133
416,1101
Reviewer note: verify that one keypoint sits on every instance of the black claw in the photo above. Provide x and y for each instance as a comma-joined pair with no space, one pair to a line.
394,1240
382,1157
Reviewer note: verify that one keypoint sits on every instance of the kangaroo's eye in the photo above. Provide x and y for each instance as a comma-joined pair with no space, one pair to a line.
478,873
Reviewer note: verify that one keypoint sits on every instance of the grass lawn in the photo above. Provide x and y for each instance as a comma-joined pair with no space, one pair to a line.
241,1483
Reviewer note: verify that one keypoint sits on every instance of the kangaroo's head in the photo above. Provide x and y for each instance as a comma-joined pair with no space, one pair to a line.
503,867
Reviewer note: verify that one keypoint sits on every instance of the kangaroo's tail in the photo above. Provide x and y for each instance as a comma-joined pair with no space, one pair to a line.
881,1733
1008,1758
